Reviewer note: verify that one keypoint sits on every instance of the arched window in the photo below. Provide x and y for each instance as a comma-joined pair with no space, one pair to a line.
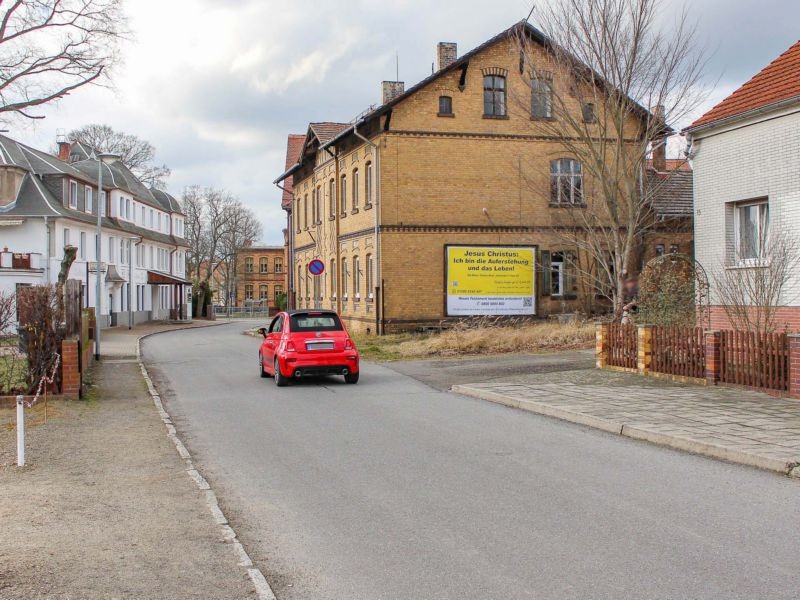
318,204
566,182
278,293
356,278
279,265
249,264
263,265
541,98
370,276
445,106
343,194
368,184
345,287
494,96
313,207
297,214
263,292
355,189
305,211
333,278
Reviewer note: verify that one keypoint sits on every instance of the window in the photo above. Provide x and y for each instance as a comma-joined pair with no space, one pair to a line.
673,249
152,215
494,96
314,207
142,217
263,265
263,292
249,264
297,215
279,265
152,260
121,210
112,245
344,278
333,278
73,194
566,182
332,196
82,246
588,113
751,225
445,106
368,183
355,189
318,205
557,274
541,98
278,293
103,203
158,221
128,209
315,322
305,212
123,256
343,193
370,276
659,249
66,237
357,277
248,291
559,280
88,201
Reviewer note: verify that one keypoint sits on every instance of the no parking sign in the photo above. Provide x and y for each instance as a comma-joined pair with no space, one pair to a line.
316,267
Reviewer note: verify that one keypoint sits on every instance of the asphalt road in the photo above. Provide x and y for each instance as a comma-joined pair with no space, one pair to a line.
394,489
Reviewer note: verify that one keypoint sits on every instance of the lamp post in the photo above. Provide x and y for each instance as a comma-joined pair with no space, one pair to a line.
102,158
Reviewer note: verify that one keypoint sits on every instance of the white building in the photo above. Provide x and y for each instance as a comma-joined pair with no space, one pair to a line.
48,203
746,159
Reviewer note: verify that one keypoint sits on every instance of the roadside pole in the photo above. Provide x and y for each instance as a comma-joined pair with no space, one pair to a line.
20,431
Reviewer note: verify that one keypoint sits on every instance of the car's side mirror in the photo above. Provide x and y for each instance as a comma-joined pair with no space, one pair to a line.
263,331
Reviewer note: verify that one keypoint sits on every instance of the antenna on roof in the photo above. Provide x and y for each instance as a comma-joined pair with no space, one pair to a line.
530,14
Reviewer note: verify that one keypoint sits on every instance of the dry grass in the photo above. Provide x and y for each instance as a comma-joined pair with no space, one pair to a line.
466,340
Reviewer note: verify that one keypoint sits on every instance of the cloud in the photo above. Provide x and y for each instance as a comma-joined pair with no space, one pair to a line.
216,85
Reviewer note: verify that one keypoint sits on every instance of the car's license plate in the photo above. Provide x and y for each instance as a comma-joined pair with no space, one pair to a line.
320,345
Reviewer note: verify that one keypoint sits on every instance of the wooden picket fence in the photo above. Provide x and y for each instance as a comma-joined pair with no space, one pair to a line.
622,346
679,351
757,360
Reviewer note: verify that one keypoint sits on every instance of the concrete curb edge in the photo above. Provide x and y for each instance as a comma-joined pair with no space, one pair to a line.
623,429
262,587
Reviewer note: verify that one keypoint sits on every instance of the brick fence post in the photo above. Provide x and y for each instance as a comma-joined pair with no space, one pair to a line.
644,348
601,347
713,357
70,369
794,365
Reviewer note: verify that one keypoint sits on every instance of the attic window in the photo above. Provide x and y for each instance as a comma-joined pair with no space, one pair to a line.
494,96
445,106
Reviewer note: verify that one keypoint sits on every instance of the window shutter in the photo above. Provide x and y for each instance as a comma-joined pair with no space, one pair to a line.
545,261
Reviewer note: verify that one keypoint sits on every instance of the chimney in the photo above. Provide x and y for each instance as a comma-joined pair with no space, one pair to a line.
392,89
446,55
64,150
659,140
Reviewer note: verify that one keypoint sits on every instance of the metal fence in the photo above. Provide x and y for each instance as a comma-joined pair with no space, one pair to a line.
248,311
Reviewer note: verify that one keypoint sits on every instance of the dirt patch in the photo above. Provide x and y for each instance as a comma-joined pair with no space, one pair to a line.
105,508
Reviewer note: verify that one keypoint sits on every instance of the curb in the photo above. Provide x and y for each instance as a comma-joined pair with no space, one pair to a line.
262,587
630,431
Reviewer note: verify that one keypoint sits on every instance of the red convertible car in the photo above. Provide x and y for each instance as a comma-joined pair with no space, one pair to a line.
307,343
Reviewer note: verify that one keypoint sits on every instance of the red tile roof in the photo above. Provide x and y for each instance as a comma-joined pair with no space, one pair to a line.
325,132
294,146
674,164
779,81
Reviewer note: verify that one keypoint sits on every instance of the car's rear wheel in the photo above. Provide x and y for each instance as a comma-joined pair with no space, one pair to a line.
264,374
351,378
280,379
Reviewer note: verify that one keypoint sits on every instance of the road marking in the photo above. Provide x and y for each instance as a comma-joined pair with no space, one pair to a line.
262,587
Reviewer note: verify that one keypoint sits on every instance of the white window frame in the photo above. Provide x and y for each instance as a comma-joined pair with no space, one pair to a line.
557,271
762,242
82,245
88,199
73,194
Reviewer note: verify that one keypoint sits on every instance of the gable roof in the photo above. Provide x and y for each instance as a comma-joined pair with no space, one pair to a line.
777,82
325,132
294,146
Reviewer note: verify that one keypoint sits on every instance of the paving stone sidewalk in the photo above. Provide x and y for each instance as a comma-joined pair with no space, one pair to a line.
736,425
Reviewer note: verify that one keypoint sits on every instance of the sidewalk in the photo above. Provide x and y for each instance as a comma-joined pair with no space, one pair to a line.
105,508
739,426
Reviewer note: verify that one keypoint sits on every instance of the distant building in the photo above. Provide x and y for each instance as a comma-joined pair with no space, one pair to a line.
48,203
261,276
746,159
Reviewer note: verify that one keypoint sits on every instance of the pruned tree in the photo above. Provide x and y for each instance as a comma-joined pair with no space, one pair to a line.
48,48
8,310
602,63
137,154
243,227
753,284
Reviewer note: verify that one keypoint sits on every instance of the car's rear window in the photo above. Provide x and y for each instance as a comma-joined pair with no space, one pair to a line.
316,322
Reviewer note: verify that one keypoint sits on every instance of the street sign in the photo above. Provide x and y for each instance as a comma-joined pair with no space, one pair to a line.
316,267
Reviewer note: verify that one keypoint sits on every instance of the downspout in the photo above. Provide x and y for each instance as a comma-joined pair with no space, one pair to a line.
379,325
47,229
336,209
290,257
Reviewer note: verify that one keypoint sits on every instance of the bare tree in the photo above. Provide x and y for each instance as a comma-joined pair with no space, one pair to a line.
137,154
8,310
752,285
243,227
602,63
48,48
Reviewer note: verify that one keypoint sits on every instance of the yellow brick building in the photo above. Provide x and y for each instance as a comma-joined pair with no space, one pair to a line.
459,159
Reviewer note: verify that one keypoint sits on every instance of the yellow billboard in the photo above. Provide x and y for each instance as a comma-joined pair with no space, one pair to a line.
490,280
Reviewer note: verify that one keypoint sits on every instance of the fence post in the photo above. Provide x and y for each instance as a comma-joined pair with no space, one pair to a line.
20,431
713,357
70,369
794,365
644,348
601,348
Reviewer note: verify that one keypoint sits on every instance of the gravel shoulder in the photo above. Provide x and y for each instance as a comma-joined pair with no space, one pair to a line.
105,508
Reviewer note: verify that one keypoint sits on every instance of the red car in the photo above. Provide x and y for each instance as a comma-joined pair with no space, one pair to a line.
307,343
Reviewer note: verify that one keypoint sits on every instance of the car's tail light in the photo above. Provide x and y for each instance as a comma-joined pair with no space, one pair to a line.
290,347
348,344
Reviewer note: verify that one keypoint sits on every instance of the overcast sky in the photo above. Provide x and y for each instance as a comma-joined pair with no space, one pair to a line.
216,85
